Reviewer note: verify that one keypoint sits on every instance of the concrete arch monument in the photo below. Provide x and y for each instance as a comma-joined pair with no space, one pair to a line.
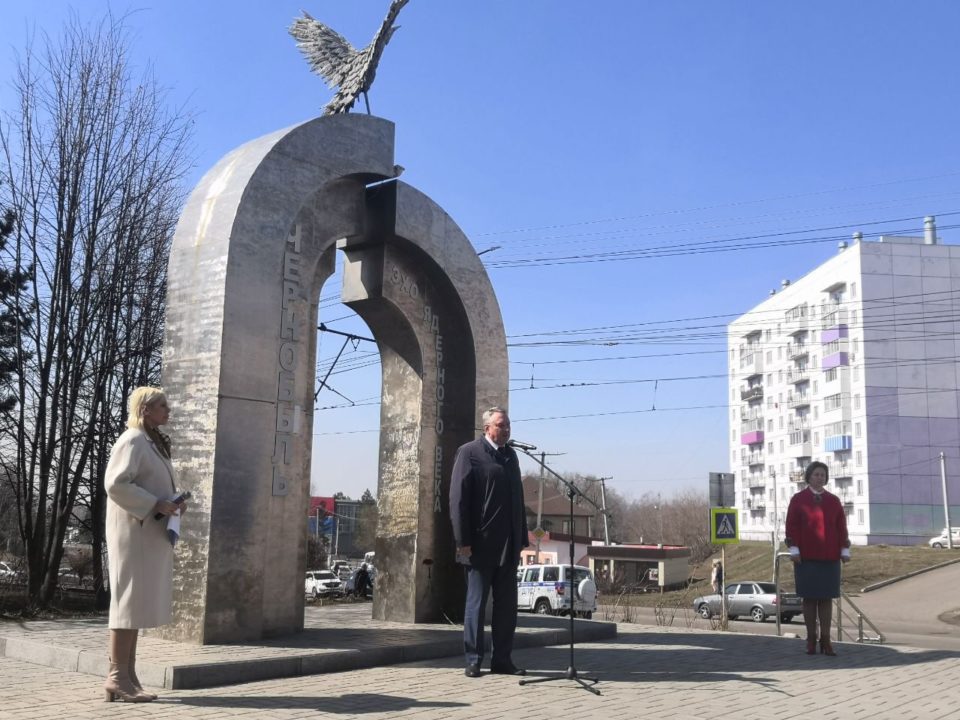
254,245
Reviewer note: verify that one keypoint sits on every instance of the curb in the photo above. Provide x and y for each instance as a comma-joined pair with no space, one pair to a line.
891,581
191,676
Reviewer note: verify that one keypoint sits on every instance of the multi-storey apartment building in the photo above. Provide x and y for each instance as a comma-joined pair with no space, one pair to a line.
855,365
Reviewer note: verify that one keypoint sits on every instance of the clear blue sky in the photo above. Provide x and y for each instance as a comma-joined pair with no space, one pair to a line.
570,129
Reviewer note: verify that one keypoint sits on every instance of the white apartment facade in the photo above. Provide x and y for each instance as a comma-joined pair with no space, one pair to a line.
854,365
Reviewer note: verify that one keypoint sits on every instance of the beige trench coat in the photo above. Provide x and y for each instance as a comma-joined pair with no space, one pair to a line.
140,558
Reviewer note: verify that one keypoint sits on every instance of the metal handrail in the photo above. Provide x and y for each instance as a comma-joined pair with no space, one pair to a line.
776,584
861,618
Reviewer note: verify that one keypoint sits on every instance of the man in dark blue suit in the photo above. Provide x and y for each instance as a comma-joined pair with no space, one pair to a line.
490,529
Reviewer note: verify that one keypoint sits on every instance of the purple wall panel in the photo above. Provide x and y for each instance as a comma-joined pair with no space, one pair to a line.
835,360
750,438
833,334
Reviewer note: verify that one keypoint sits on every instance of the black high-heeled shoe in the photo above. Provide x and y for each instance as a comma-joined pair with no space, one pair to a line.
811,647
826,648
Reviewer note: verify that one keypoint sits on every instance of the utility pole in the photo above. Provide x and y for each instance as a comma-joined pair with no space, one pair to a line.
543,457
946,501
773,535
660,518
603,509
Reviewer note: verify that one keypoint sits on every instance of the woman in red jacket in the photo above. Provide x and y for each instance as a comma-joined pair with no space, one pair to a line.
818,542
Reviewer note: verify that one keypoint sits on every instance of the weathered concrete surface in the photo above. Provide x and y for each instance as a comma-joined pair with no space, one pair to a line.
336,638
251,253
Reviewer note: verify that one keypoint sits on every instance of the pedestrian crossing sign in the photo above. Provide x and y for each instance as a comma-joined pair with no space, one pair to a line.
724,526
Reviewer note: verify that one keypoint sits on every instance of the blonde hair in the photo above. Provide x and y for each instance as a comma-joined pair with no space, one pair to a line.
140,400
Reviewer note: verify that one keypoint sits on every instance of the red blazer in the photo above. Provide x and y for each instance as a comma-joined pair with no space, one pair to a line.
819,529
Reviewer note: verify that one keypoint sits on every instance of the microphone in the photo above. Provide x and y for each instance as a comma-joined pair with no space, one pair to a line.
522,445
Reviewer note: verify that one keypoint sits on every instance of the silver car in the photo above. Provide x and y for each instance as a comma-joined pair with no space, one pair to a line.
758,600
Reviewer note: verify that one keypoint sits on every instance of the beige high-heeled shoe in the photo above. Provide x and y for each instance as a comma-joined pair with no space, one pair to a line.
135,681
118,686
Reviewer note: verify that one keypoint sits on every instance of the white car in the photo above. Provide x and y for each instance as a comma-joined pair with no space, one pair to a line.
545,589
941,540
322,583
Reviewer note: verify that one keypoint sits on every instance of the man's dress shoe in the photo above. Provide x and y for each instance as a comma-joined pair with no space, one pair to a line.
472,671
510,669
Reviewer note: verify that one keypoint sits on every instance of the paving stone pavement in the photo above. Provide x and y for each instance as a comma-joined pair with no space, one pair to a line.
645,672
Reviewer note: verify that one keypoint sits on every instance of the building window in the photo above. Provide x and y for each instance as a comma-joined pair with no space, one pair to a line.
853,318
859,458
780,376
830,375
856,402
816,412
856,374
856,430
855,345
770,446
780,352
770,425
767,336
816,438
859,488
832,402
853,290
781,446
769,355
781,422
814,387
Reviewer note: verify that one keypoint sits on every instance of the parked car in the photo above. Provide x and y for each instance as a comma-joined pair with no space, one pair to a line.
756,600
545,589
322,583
350,584
941,540
341,568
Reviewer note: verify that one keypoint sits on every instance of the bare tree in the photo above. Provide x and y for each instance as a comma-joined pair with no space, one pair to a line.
92,168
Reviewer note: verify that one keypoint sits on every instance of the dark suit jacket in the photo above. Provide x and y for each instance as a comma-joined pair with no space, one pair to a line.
486,505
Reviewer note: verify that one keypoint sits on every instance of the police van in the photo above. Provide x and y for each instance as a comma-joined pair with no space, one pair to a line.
545,589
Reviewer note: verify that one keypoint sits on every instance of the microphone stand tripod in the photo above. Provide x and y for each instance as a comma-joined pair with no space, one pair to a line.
572,673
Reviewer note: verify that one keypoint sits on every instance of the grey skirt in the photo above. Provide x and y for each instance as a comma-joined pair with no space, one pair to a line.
817,579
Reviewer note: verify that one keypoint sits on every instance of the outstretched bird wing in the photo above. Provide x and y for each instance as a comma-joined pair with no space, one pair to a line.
326,50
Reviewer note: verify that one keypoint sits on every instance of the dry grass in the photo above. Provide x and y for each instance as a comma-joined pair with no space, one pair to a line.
754,561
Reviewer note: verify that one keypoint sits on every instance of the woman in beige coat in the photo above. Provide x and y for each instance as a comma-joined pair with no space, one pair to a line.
139,484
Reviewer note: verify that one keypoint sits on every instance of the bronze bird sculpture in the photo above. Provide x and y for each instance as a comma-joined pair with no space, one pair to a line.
335,60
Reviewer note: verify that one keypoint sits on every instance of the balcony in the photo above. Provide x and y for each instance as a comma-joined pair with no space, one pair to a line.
796,400
751,364
798,375
796,321
832,317
756,481
754,392
846,497
756,504
837,359
839,471
796,476
800,423
797,350
834,334
753,437
753,458
837,443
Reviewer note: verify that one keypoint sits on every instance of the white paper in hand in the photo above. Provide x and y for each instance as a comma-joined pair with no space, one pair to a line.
173,528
